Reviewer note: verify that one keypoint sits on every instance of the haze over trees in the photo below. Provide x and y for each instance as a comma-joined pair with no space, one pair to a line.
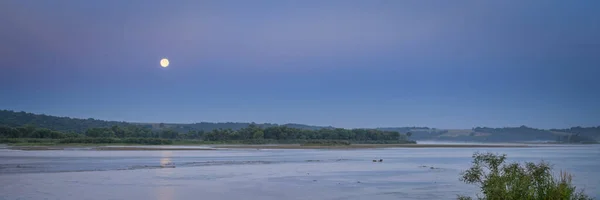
252,132
67,124
506,134
28,125
129,133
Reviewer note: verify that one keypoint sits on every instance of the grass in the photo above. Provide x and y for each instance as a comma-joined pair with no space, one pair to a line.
326,143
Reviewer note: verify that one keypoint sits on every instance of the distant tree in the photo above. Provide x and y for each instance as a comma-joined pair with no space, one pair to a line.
99,132
9,132
408,134
259,134
120,133
168,134
190,135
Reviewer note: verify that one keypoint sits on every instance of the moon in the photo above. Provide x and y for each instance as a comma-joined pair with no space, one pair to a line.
164,62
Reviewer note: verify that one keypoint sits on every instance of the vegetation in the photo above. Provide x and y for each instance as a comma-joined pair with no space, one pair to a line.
67,124
127,133
87,140
589,133
252,132
27,140
326,143
287,133
417,133
28,125
575,138
500,181
511,134
62,124
522,133
249,135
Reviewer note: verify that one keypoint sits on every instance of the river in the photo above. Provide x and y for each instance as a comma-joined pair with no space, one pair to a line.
267,174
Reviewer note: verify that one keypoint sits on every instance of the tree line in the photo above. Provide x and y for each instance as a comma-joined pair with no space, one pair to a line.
67,124
524,133
587,132
252,132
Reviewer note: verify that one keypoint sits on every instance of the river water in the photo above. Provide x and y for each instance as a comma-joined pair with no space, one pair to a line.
267,174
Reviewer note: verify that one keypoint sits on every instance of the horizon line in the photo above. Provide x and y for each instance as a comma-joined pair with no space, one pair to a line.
283,124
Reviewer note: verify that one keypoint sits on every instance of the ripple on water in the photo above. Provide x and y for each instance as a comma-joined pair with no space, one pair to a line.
279,174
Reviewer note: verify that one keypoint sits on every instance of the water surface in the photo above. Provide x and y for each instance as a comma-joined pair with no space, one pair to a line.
266,174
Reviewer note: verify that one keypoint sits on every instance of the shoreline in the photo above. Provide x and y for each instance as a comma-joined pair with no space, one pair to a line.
375,146
268,146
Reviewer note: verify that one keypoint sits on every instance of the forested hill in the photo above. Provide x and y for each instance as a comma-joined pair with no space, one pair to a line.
67,124
591,132
479,134
506,134
63,124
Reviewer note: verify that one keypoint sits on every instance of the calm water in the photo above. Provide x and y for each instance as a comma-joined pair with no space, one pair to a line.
266,174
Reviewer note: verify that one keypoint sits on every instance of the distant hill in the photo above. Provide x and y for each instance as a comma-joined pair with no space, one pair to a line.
417,133
591,132
67,124
507,134
308,127
209,126
479,134
63,124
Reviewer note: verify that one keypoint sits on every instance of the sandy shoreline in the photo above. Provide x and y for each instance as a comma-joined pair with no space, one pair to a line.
272,146
373,146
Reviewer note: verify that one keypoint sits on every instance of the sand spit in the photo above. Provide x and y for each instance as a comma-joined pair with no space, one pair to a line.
271,146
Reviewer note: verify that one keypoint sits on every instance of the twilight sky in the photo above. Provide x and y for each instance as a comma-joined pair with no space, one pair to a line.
345,63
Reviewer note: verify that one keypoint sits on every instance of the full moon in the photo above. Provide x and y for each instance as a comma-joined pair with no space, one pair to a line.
164,62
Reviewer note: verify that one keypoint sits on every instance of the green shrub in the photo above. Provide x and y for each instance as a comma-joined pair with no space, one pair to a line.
38,140
10,141
530,181
25,140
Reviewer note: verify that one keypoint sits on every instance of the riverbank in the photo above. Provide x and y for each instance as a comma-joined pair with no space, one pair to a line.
271,146
374,146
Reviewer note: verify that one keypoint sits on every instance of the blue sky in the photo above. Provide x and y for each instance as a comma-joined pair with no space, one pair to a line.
445,64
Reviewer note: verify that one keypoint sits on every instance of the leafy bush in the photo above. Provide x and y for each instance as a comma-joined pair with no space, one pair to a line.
26,140
531,181
10,141
36,140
